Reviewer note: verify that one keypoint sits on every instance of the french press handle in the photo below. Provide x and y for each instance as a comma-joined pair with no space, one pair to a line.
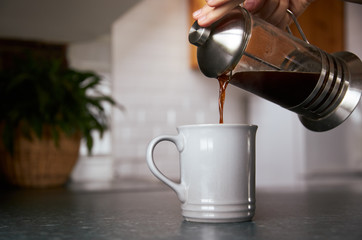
294,18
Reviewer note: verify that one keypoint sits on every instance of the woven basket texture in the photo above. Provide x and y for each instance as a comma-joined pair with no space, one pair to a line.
40,163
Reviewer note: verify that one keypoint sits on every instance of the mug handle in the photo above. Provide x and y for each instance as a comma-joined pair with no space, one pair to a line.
178,141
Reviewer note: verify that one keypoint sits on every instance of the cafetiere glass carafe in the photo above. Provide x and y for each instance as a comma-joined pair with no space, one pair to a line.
323,89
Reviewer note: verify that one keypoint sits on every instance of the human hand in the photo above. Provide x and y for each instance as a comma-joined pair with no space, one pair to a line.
213,10
273,11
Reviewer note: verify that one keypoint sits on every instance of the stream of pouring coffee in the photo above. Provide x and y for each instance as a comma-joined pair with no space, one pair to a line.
223,82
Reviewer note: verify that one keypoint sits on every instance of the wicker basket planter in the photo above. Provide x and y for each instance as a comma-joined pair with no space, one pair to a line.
40,92
39,163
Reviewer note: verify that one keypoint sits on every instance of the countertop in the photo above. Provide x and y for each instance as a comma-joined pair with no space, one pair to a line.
333,212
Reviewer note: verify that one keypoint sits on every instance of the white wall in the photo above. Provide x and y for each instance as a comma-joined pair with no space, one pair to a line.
280,145
94,55
354,44
353,20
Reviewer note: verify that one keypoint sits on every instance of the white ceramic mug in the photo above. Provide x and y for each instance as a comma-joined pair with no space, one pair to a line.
217,164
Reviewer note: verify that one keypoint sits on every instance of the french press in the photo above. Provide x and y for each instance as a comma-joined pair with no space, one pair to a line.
322,88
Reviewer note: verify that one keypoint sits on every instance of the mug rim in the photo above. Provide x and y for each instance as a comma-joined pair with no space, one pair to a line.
218,125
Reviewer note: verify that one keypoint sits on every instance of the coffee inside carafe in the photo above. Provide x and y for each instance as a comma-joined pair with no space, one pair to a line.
286,89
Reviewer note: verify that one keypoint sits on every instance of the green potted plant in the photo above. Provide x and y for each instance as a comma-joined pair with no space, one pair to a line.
45,110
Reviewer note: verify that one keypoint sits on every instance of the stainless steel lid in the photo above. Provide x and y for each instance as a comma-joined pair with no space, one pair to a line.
221,45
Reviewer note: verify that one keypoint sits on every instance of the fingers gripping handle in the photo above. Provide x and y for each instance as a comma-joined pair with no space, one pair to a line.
178,141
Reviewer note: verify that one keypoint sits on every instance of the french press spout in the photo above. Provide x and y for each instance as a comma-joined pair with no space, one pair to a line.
322,88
